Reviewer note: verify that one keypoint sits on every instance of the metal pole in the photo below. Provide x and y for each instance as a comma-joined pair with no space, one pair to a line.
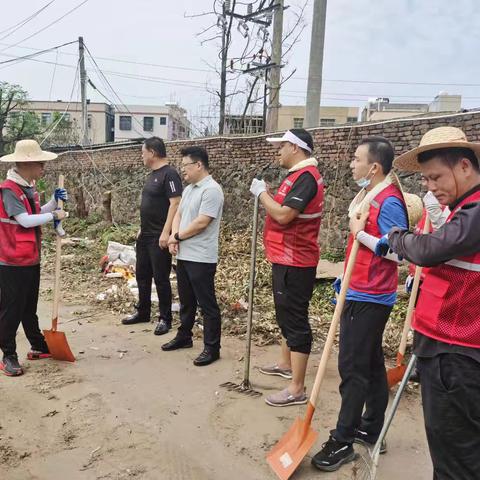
274,103
83,91
314,86
223,74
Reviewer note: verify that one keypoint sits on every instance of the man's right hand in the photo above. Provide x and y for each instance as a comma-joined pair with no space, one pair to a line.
173,248
258,187
60,214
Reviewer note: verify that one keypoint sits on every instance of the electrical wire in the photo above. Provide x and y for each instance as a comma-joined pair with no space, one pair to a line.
41,52
47,26
23,22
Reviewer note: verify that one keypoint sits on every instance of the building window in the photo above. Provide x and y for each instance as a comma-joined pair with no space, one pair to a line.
327,122
298,122
148,124
163,120
66,117
352,120
125,122
89,121
46,118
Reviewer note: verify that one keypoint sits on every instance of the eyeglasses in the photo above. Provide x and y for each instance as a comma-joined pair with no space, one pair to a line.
186,164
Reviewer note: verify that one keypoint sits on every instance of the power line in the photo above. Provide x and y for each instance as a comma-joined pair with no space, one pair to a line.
47,26
23,22
41,52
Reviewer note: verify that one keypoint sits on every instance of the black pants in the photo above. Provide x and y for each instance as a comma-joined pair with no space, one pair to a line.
451,409
153,262
292,292
18,304
196,286
362,370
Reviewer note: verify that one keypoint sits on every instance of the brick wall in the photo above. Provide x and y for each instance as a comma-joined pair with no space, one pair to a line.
235,160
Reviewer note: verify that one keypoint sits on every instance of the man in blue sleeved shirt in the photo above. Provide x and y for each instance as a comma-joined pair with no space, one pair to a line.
370,298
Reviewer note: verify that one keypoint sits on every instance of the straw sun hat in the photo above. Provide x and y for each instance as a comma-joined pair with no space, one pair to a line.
441,137
413,203
28,151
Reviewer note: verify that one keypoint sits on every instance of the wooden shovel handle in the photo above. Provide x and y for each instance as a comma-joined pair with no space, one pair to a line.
58,253
413,299
322,367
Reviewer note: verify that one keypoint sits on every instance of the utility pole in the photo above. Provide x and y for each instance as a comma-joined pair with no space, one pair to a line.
83,90
274,101
314,86
223,71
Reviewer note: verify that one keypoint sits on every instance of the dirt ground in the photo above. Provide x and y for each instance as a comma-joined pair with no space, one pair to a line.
128,410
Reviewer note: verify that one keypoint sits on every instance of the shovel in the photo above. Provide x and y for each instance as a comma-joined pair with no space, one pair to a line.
245,387
395,374
368,469
57,341
291,449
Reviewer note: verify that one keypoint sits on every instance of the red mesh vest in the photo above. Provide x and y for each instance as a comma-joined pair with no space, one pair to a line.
448,307
295,244
374,274
18,245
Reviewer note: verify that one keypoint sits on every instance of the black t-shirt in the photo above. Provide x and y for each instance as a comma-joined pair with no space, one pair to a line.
302,192
160,185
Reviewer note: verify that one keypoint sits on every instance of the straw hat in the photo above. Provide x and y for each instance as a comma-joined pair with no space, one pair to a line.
413,203
28,151
441,137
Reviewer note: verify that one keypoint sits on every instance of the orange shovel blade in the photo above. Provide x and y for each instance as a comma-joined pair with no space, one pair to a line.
58,345
395,374
291,449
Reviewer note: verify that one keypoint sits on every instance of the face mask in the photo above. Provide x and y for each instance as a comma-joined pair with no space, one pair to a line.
364,182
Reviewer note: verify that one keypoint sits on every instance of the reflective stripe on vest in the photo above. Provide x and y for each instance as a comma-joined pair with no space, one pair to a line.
8,220
472,267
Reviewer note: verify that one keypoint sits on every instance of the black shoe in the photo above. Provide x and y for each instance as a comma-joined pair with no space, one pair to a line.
363,438
206,357
176,343
135,318
162,327
10,366
333,455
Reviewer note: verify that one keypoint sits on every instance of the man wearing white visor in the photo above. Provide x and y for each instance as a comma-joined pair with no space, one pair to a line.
290,239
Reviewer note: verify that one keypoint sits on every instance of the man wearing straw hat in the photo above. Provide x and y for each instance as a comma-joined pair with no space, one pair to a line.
447,316
20,234
370,298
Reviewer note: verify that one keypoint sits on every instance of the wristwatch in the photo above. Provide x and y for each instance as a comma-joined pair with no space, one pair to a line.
177,238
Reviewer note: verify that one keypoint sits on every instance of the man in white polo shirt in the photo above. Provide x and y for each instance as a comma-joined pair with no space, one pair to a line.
194,240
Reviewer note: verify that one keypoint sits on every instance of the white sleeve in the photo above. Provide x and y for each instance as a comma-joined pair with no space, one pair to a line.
50,206
30,221
371,241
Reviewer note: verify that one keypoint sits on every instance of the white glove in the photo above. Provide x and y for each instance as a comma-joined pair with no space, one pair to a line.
258,187
437,216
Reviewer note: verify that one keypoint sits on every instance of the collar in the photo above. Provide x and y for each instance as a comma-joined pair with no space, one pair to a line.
453,205
14,176
203,181
308,162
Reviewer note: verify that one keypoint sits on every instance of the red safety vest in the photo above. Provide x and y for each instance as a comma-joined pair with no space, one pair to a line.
448,307
295,244
374,274
18,245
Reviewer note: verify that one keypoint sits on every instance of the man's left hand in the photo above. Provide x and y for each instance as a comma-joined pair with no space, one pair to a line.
163,240
358,222
258,187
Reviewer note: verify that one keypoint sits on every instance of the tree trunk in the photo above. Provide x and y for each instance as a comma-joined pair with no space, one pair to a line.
107,206
82,211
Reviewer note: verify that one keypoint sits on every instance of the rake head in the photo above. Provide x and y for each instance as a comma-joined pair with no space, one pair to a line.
365,466
243,387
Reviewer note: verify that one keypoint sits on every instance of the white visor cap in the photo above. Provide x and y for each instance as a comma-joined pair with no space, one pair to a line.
288,136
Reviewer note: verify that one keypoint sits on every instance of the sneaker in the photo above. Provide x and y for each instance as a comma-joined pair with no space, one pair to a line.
38,355
363,438
333,455
276,370
10,366
285,398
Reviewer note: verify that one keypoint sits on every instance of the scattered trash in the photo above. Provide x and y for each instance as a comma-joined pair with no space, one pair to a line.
51,414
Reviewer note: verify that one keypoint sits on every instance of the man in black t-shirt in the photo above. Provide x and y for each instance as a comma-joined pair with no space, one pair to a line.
161,196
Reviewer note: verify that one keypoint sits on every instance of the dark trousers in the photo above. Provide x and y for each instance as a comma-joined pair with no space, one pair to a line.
153,262
361,365
292,292
196,286
18,304
451,409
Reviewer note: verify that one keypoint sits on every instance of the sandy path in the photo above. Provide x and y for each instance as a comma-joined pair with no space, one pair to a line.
152,415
